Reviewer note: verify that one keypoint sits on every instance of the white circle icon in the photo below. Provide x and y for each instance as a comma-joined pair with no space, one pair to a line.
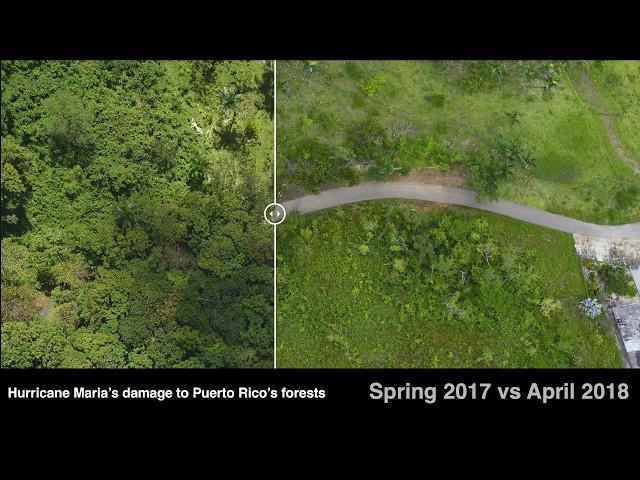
275,214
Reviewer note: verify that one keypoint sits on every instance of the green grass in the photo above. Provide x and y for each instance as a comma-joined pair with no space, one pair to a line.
342,305
618,87
578,173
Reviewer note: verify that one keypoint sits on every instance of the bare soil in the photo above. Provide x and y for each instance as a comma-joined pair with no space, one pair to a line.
452,178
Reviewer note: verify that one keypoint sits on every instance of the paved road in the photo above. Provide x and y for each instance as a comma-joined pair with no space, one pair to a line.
456,196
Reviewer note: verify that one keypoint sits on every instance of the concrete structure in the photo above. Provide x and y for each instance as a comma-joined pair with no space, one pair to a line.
626,314
635,273
628,319
457,196
617,252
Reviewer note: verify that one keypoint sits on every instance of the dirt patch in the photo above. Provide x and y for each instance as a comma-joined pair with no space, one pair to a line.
432,176
428,206
41,301
43,305
292,192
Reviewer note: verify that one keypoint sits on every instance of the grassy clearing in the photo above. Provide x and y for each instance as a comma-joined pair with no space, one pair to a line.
577,172
385,284
618,88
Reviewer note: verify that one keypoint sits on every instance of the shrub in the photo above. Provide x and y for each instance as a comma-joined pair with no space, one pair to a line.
425,151
480,75
591,307
489,169
373,85
436,100
550,307
354,71
616,279
306,125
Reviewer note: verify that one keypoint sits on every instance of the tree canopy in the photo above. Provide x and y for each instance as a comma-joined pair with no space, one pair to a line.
132,197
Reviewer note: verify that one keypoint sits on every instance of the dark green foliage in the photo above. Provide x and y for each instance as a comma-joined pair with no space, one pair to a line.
368,147
487,170
127,215
314,164
435,100
14,189
354,71
627,195
545,75
513,153
68,125
514,116
130,238
616,279
163,154
367,150
479,75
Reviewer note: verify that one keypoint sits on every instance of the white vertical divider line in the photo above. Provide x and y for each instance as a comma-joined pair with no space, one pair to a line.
275,241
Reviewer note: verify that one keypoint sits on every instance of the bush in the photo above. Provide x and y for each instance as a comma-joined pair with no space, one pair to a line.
482,74
68,123
490,169
354,71
373,85
425,151
616,279
436,100
307,124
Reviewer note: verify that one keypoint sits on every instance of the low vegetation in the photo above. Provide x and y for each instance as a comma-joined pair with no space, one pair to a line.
386,284
533,132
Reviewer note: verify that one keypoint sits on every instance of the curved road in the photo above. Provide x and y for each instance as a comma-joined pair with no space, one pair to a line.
457,196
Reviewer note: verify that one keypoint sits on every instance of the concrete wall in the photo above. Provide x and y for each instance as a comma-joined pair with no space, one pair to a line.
618,252
635,273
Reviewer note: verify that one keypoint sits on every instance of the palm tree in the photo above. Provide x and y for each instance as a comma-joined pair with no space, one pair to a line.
229,97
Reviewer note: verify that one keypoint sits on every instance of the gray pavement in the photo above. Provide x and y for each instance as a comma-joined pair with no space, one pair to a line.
456,196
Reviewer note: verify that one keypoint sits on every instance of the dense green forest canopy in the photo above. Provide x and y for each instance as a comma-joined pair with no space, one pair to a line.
132,233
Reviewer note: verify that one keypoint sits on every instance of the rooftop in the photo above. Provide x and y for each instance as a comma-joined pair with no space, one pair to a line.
628,318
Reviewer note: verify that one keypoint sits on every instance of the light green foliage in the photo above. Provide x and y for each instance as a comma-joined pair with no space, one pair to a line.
550,307
307,123
448,288
372,85
456,114
399,264
617,86
133,238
